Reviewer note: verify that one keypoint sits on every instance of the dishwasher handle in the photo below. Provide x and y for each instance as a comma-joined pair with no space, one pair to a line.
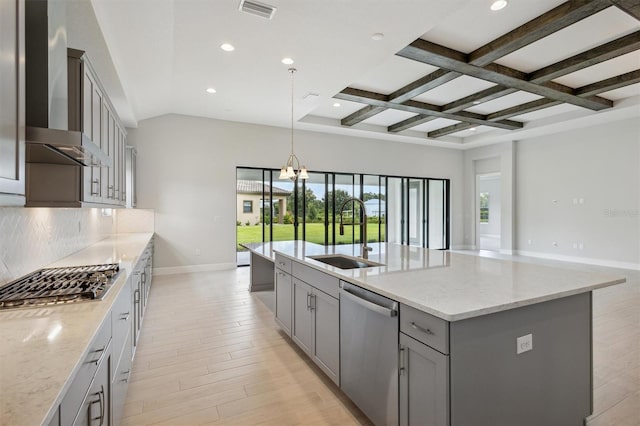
383,310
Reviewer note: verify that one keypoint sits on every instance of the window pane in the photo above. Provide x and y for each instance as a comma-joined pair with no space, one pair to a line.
373,197
437,213
249,194
314,208
395,219
283,208
343,191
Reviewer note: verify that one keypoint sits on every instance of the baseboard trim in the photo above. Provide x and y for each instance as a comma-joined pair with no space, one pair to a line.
208,267
462,247
576,259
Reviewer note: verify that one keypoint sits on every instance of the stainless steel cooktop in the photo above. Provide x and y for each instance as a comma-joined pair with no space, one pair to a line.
52,286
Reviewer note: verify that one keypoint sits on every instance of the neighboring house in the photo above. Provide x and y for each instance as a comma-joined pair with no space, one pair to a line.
375,207
250,201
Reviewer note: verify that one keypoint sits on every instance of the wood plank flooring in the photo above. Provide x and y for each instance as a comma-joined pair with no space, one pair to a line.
211,353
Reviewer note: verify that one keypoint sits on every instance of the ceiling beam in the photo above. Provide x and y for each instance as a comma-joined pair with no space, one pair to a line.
560,17
612,83
549,22
615,48
598,87
361,115
378,99
410,122
604,52
443,57
632,7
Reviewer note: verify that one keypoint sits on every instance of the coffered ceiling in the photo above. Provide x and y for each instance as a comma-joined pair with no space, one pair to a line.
449,73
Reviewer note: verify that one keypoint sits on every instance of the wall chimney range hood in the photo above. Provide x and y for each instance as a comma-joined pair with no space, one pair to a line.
48,137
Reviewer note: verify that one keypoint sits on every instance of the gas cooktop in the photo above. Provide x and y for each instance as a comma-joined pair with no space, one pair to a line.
53,286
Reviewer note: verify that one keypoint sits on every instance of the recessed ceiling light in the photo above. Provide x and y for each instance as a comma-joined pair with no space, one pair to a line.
498,5
476,102
211,90
473,129
227,47
287,61
377,36
337,104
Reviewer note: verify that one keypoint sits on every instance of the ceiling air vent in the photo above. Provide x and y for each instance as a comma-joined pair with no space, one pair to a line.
259,9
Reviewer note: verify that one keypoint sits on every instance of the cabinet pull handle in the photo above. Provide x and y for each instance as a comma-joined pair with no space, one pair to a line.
402,369
308,301
312,305
95,182
419,328
100,401
124,316
99,360
282,264
126,379
136,296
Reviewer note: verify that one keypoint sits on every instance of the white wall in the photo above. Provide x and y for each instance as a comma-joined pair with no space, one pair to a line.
600,165
186,172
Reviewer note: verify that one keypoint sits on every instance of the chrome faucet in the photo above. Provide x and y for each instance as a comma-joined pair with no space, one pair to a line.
364,248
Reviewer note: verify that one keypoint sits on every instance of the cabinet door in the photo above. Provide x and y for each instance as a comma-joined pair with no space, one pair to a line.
120,383
96,407
92,127
283,290
12,112
424,384
137,310
301,333
326,333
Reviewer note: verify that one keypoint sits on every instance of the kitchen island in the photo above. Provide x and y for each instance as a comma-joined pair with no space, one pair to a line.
492,341
43,349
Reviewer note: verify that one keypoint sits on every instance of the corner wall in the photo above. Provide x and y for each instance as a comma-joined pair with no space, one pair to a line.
581,188
187,174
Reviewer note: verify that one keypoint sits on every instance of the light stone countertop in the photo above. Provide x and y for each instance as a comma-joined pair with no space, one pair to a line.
41,348
448,285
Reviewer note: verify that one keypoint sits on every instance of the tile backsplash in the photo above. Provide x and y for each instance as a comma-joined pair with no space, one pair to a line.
31,238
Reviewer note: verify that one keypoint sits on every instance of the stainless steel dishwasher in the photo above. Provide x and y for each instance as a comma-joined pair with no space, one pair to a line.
369,352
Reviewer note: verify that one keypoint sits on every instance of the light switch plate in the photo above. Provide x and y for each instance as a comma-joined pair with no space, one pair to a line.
524,344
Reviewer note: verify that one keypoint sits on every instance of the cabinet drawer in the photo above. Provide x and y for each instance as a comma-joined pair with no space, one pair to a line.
95,357
424,327
121,317
320,280
283,263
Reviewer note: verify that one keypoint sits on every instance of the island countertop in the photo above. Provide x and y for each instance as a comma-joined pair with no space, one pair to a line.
42,346
448,285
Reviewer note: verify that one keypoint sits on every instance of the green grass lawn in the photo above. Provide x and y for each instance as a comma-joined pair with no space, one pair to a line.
315,233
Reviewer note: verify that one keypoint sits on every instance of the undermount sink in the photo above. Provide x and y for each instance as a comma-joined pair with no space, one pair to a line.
345,262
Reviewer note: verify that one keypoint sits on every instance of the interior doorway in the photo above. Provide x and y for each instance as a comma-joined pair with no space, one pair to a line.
488,211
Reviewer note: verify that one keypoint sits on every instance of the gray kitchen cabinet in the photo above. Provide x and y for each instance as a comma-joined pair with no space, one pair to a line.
86,98
284,301
424,384
121,320
316,318
326,335
12,109
130,194
98,355
120,381
302,315
96,406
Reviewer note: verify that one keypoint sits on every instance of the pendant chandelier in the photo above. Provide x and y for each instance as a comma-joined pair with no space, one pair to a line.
291,169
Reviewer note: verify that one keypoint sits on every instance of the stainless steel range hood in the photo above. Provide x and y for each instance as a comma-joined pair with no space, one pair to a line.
67,147
48,136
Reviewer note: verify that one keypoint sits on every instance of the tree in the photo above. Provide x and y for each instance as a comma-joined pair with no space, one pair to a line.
372,196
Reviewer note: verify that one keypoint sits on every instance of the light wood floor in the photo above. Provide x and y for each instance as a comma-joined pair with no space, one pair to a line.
210,352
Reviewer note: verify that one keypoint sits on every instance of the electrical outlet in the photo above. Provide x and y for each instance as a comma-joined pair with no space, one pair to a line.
581,246
198,252
524,344
529,242
555,244
575,245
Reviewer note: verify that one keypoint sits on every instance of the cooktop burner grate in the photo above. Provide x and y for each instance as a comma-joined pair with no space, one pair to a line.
59,285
